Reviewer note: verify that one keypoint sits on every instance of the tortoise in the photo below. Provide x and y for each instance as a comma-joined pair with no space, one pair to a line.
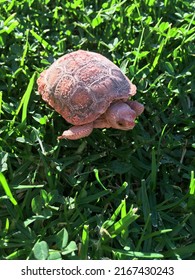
89,91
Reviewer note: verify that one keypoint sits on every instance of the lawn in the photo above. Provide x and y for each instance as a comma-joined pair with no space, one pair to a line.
115,194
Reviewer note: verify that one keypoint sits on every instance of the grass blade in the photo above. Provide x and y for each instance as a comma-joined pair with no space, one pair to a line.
133,254
1,95
24,101
85,243
27,97
7,190
98,178
25,50
191,200
122,224
43,42
153,170
184,250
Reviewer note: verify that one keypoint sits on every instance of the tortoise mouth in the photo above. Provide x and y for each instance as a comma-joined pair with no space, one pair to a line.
125,125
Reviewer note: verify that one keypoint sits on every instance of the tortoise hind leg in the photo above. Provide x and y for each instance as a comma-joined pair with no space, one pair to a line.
77,132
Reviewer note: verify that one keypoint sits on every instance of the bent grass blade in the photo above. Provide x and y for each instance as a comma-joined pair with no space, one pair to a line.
7,190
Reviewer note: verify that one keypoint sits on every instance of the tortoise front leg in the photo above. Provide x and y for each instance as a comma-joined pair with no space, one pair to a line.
77,132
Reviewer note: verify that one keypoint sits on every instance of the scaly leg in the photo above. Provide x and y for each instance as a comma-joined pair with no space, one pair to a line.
77,132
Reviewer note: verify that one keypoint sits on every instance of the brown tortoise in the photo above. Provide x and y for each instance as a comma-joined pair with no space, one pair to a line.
89,91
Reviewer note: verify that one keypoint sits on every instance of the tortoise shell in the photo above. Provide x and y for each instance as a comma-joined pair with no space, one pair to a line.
81,85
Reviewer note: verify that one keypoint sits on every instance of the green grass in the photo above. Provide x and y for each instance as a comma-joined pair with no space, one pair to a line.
115,194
